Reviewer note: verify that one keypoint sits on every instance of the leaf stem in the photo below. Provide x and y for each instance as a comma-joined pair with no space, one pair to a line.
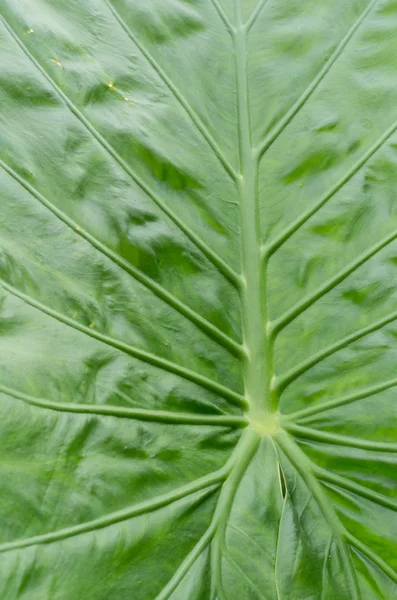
258,363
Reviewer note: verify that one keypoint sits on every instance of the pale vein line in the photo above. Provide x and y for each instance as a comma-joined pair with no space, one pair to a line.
255,14
330,404
222,15
375,558
142,355
189,561
324,571
332,438
315,83
269,249
333,480
276,584
302,465
175,91
283,381
244,534
140,414
280,323
284,502
209,483
245,576
208,328
211,255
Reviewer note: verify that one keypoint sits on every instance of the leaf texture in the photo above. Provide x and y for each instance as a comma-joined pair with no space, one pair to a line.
198,318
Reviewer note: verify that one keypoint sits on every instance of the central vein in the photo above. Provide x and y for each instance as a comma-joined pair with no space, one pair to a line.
257,368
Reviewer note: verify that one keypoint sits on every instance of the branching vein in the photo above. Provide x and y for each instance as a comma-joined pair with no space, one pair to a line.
255,14
375,558
222,15
303,466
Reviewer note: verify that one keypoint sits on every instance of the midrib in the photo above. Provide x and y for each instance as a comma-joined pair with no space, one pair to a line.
256,368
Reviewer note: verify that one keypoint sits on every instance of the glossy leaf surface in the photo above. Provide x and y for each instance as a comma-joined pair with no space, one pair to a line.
198,305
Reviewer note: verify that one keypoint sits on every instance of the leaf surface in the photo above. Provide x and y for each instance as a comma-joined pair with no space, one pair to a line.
198,251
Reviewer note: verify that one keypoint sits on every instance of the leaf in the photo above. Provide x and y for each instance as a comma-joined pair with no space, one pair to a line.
198,308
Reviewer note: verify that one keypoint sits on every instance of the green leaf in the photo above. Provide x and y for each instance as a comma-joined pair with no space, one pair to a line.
198,312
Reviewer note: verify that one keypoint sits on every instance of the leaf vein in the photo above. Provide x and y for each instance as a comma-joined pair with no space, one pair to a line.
329,285
375,558
270,248
222,15
283,381
142,355
333,480
340,440
140,414
210,254
330,404
208,328
186,564
174,90
270,139
255,14
303,466
209,483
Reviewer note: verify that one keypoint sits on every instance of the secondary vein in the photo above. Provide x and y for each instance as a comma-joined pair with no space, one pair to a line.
273,135
348,399
255,14
340,440
142,355
212,256
272,246
299,308
140,414
209,483
208,328
334,480
175,91
303,466
375,558
285,380
246,449
186,564
222,15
